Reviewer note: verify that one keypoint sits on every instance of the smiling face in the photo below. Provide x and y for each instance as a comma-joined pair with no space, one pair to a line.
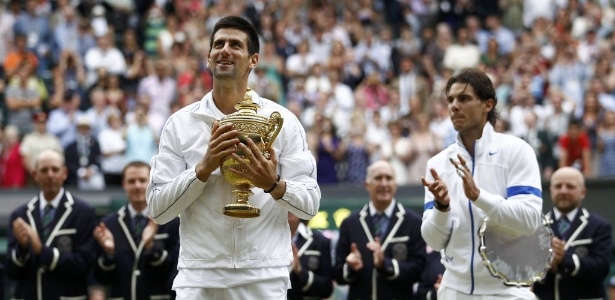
135,183
229,57
468,113
380,184
50,173
567,189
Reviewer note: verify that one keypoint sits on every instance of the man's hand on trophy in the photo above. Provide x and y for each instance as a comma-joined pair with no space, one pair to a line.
259,170
223,142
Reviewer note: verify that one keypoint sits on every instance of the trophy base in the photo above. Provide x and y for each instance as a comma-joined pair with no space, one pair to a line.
241,210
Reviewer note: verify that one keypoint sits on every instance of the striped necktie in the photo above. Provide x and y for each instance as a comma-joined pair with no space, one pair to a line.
563,225
46,220
380,224
139,224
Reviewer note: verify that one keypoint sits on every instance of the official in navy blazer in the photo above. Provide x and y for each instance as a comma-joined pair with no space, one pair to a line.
380,260
51,262
311,273
582,247
137,259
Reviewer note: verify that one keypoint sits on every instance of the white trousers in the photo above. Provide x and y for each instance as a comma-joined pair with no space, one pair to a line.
508,294
274,289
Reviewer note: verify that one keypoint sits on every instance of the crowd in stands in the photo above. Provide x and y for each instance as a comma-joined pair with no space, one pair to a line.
98,79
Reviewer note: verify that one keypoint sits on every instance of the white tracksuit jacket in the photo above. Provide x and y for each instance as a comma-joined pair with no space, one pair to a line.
505,169
210,239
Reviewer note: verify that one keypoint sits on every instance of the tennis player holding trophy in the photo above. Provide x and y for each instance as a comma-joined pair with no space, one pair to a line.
483,175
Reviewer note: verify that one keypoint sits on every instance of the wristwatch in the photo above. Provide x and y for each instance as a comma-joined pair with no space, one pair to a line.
441,207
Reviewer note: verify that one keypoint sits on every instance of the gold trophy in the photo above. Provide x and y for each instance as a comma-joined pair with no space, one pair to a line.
262,131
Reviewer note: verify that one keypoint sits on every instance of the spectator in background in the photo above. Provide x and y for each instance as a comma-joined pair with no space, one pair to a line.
424,145
141,139
606,144
99,112
52,232
112,148
19,57
37,28
327,145
160,87
71,74
575,149
380,252
461,54
63,120
103,56
6,32
23,99
12,169
311,272
410,84
582,246
83,159
355,150
66,31
571,77
130,242
38,141
301,62
398,152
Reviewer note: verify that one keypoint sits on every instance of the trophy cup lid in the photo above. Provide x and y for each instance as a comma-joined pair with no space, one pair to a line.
246,112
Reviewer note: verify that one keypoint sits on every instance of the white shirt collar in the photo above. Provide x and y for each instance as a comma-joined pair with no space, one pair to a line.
387,211
55,202
133,212
571,215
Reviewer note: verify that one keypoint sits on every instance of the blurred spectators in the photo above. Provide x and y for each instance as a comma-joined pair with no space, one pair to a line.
363,64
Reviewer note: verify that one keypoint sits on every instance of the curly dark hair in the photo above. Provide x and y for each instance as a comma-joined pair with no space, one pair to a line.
482,85
241,24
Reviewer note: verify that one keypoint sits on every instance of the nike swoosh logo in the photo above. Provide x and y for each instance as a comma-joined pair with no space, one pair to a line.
492,152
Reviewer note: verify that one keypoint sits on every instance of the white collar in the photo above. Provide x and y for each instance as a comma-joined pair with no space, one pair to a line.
133,212
571,215
55,202
387,211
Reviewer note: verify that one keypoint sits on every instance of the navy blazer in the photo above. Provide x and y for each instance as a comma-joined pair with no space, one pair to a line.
133,272
67,257
316,278
433,268
404,255
588,250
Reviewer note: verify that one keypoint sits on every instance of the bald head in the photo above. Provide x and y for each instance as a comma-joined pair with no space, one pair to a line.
50,173
49,155
567,189
378,165
380,184
569,172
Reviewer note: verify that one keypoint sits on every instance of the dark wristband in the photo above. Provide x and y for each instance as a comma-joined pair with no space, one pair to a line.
274,185
441,207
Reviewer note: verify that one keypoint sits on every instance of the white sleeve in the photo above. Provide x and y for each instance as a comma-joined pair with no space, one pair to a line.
298,169
172,186
522,208
437,226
